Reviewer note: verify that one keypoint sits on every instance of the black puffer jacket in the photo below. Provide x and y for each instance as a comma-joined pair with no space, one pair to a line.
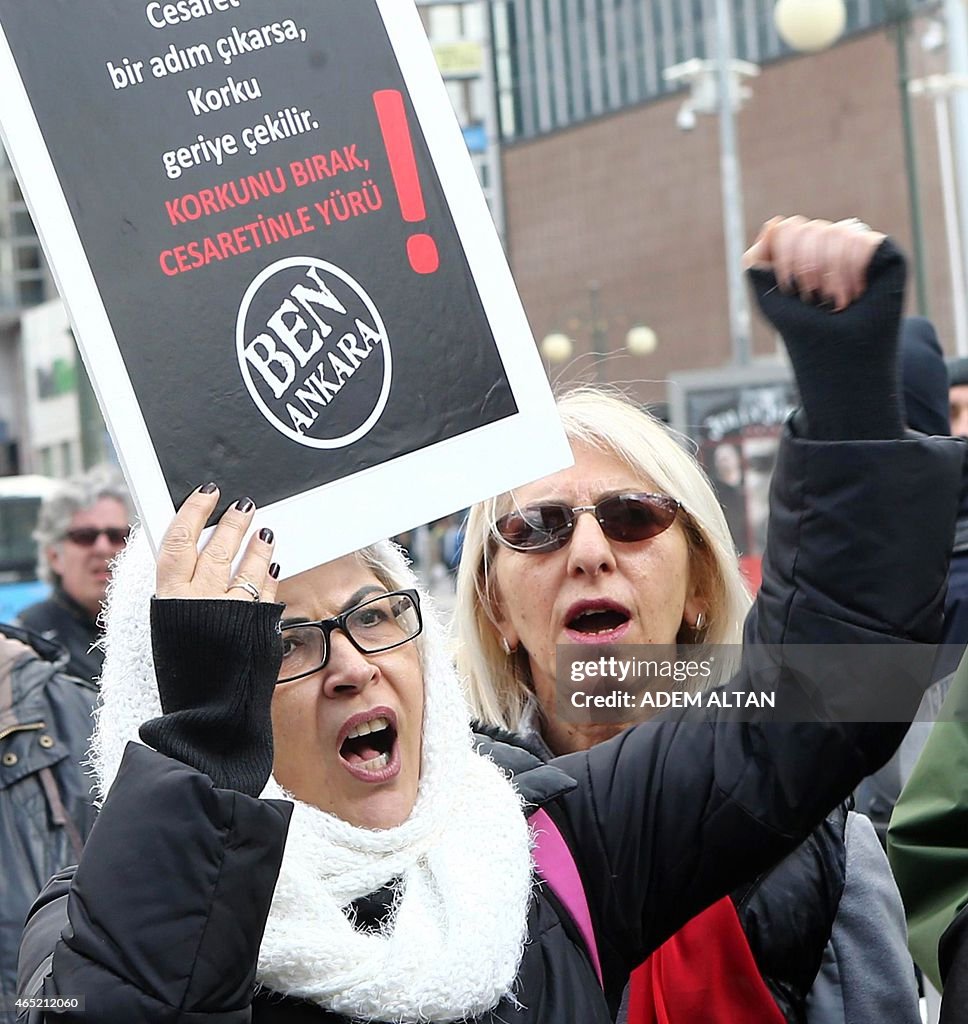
787,913
45,805
167,908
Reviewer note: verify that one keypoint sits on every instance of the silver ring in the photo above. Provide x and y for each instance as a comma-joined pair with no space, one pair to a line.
249,588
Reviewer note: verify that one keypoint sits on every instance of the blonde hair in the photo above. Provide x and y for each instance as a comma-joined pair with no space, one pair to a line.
499,687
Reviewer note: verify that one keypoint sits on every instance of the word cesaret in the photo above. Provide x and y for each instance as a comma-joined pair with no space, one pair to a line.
313,352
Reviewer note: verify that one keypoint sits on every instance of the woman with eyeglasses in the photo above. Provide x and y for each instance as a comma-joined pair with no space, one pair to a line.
630,546
312,834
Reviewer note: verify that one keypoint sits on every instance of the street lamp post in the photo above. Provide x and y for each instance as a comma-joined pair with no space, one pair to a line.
598,329
899,14
940,88
956,39
557,347
811,25
717,88
732,188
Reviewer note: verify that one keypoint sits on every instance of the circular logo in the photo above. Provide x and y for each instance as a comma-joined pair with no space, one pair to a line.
313,351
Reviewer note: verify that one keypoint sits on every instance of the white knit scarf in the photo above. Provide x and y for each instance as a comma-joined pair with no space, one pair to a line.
452,945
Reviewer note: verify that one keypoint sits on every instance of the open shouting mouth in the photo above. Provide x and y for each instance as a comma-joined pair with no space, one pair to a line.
598,621
368,745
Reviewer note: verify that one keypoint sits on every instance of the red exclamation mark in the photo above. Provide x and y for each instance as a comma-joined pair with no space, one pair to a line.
421,249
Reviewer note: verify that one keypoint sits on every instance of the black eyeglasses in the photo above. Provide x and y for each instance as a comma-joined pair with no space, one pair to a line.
86,536
377,624
626,518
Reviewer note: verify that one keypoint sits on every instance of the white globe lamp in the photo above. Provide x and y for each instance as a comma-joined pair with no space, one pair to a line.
810,25
557,347
641,340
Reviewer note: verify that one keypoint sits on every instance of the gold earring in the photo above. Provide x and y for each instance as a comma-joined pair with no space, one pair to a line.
700,622
506,646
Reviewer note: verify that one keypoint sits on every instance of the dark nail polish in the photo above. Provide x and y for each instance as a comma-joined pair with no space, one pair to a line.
245,504
266,535
209,488
274,570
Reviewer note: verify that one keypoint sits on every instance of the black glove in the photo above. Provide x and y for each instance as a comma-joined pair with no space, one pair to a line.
216,663
846,363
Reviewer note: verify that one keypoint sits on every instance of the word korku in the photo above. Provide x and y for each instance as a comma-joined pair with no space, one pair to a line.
204,101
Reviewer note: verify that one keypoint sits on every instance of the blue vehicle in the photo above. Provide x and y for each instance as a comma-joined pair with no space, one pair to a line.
20,498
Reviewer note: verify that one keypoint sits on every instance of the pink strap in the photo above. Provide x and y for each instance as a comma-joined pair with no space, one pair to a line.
556,865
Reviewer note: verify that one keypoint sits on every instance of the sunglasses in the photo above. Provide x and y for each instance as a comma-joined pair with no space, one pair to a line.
626,518
86,536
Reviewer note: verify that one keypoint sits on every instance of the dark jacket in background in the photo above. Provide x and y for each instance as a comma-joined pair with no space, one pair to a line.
45,804
62,619
924,380
956,608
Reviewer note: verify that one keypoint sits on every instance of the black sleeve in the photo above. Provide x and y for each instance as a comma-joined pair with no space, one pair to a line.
216,664
675,813
846,363
167,909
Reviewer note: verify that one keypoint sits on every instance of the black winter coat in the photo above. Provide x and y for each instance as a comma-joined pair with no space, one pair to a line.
787,913
167,907
45,804
61,619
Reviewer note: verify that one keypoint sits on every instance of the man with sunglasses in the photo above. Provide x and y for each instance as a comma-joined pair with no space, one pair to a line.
81,528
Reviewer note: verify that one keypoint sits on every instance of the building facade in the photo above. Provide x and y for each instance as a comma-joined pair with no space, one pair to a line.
460,36
606,196
24,282
49,421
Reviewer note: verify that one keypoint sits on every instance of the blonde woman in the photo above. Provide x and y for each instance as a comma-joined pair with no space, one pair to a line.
630,546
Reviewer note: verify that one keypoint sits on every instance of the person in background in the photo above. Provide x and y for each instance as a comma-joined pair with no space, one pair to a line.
924,842
957,607
958,396
924,387
927,843
80,529
46,809
936,403
453,540
728,479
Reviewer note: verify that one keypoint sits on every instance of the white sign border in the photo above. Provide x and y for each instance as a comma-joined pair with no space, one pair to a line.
532,438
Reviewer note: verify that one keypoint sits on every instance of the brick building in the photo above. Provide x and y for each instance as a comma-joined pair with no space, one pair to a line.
603,189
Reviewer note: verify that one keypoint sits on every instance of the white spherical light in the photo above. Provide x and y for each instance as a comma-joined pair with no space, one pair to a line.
810,25
557,347
641,340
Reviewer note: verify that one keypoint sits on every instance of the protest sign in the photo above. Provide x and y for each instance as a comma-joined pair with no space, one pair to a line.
280,267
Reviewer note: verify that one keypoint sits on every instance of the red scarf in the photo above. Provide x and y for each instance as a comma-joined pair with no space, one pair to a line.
705,973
